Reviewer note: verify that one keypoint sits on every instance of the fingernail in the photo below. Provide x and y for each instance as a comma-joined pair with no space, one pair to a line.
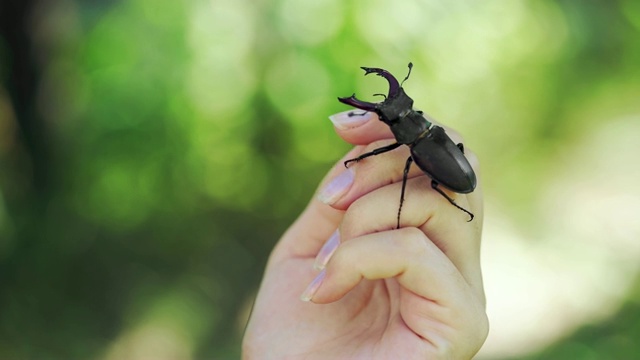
327,251
313,287
337,187
350,119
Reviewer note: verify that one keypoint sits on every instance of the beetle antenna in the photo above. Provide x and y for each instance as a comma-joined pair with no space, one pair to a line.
383,95
407,77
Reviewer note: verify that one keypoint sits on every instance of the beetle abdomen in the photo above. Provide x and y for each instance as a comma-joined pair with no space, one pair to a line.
438,156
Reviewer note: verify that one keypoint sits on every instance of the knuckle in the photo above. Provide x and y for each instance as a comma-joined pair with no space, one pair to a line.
473,159
362,208
378,144
344,258
454,134
412,240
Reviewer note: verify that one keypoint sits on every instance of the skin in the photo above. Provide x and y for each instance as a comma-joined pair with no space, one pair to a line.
409,293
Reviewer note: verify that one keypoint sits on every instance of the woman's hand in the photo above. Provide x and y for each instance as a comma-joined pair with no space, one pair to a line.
374,291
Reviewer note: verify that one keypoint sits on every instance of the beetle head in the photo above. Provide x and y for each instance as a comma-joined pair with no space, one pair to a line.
395,105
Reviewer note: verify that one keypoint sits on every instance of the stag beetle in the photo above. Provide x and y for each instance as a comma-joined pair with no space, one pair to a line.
431,148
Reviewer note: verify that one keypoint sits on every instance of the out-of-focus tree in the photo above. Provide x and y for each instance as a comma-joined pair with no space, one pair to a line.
152,153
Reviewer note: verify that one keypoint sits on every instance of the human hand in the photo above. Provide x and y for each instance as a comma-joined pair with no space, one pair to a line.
413,292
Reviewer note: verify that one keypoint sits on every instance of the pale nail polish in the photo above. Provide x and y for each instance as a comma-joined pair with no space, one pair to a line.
313,287
350,119
327,251
337,187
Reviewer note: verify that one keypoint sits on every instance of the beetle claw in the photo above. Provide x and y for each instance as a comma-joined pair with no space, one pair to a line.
394,86
353,101
394,89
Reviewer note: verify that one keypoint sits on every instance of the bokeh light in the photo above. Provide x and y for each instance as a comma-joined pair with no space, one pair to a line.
151,155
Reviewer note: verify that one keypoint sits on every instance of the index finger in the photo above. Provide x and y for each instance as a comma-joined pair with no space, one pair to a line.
365,128
362,128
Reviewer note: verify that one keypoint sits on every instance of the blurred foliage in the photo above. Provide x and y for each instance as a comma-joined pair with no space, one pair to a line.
615,338
151,154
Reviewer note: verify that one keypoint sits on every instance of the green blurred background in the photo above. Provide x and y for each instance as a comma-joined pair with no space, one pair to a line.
152,153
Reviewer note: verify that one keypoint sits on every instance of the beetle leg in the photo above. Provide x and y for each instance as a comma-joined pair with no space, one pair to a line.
377,151
434,185
353,113
404,185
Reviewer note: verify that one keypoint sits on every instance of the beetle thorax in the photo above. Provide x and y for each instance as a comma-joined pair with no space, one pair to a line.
409,127
395,107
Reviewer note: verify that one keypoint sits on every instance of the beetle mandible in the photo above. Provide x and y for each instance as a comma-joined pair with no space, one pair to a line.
431,148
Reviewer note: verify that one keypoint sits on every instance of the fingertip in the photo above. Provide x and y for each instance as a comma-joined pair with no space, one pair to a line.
360,128
351,119
313,287
472,157
333,190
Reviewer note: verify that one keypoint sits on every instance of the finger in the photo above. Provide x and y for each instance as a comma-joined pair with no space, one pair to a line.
405,254
317,222
361,128
427,210
433,299
383,169
370,174
476,198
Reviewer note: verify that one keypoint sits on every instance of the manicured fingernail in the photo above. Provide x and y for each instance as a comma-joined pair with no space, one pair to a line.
327,251
313,287
337,187
350,119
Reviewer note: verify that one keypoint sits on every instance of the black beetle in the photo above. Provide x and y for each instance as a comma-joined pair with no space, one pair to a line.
431,148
